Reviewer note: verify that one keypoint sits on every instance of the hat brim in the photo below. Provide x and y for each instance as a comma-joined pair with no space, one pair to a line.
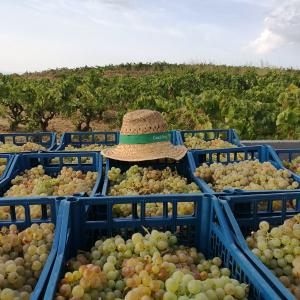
142,152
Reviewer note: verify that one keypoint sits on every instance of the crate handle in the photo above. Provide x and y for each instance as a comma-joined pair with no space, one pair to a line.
233,223
223,223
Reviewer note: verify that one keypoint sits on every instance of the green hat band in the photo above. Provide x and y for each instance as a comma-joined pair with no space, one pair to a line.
147,138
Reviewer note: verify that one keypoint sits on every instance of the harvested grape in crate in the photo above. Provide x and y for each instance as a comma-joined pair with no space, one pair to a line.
290,159
27,249
150,258
155,177
270,238
27,142
39,176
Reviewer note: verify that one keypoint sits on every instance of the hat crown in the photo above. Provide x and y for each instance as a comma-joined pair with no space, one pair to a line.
143,121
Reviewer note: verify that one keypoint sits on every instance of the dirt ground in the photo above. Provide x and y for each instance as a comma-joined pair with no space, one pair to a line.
58,125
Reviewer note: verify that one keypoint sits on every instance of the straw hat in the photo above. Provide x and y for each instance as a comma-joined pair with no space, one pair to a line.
144,136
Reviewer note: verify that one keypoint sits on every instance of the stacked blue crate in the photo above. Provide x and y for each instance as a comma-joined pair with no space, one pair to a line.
109,138
81,139
45,139
274,208
80,232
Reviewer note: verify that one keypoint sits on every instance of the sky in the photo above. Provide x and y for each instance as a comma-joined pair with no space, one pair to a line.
37,35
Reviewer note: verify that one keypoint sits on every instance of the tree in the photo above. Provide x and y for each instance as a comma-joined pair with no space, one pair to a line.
84,107
12,94
43,103
288,120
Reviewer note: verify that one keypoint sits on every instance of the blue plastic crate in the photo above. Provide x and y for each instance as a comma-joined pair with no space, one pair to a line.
45,139
228,135
109,138
53,162
211,240
241,223
230,155
53,216
80,139
6,159
182,166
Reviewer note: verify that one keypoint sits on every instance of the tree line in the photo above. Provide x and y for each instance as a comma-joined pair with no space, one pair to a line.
258,103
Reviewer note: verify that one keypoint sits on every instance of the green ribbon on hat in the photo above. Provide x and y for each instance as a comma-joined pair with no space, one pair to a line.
146,138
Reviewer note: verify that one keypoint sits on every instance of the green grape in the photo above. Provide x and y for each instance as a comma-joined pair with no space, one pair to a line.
281,254
294,165
35,182
150,271
246,175
21,261
27,147
145,181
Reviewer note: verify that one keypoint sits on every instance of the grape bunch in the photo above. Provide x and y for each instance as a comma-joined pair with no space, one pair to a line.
145,181
27,147
196,142
294,165
22,258
35,182
279,249
91,147
86,160
147,267
246,175
3,162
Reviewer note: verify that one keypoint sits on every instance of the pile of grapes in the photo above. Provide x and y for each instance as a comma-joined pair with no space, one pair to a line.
91,147
150,267
86,160
196,142
145,181
246,175
22,258
35,182
294,165
279,249
3,162
27,147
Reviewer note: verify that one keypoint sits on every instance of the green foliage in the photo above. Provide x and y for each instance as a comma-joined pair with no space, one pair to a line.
288,120
42,103
12,95
259,103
